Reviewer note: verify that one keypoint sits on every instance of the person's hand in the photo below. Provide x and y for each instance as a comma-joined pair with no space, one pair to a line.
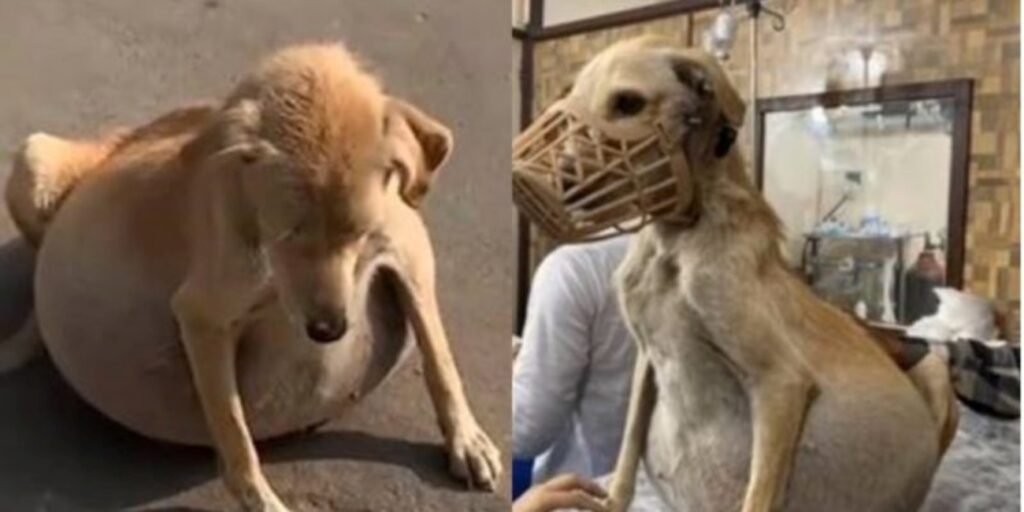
563,491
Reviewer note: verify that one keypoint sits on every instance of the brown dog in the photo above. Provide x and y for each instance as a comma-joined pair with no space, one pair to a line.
218,228
750,393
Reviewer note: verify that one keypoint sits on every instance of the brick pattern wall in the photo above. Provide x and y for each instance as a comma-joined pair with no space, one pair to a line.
921,40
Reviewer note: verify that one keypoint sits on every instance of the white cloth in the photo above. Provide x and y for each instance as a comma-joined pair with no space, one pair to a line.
570,384
960,316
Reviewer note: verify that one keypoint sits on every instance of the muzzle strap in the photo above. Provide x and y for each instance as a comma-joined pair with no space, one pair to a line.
726,138
578,177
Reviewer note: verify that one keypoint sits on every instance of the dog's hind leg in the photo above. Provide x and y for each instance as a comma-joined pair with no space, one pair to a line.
932,379
638,418
46,169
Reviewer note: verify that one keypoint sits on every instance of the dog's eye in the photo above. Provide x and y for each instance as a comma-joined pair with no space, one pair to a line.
627,103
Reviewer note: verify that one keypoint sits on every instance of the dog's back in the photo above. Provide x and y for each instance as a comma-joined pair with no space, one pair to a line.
48,168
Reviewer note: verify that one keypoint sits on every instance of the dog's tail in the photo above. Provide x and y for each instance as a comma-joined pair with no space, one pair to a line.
46,169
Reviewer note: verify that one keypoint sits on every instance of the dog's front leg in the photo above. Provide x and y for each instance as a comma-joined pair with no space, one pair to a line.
210,345
472,455
778,405
634,438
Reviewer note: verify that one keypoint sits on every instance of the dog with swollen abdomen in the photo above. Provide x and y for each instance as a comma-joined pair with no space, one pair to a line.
750,393
232,244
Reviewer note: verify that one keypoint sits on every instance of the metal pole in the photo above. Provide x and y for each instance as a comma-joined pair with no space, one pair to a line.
755,11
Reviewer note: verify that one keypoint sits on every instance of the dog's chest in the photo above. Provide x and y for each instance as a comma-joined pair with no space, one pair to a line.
667,296
701,412
654,291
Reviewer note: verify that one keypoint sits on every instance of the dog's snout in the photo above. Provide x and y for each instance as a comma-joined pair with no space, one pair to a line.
326,330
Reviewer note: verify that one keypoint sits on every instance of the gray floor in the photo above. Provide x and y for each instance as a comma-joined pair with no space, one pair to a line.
981,470
979,473
73,66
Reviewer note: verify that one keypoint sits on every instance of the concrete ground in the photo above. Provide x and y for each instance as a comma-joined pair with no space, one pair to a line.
72,66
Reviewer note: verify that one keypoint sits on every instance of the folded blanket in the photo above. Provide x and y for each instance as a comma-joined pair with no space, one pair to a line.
986,377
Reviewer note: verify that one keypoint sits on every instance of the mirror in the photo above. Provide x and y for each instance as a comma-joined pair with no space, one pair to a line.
870,187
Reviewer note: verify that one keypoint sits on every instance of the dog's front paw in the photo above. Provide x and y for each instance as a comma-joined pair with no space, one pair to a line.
619,497
254,497
472,456
265,502
617,504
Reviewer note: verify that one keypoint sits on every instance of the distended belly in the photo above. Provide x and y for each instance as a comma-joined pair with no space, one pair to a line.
103,309
860,448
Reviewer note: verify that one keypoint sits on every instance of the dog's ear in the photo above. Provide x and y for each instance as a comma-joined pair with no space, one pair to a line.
701,73
419,146
231,133
232,141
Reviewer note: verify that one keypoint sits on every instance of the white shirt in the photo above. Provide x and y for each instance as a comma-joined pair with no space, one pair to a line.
570,384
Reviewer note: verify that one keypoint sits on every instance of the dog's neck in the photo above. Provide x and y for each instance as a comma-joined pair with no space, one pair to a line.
730,207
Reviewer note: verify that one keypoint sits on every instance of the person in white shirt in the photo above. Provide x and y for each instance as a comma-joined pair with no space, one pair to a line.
570,383
573,371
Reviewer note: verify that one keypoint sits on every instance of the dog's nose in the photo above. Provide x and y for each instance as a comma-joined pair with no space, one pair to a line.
326,330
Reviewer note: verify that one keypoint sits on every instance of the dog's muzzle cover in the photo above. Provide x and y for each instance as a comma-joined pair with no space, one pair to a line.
577,177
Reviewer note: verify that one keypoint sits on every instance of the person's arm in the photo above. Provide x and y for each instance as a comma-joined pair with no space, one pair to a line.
554,355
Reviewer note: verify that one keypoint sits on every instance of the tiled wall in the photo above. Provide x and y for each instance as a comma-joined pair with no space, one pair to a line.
922,40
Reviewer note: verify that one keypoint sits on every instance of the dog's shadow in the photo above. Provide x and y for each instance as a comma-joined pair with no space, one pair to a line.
59,454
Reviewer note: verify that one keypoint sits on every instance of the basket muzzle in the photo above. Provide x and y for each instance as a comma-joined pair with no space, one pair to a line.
578,177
